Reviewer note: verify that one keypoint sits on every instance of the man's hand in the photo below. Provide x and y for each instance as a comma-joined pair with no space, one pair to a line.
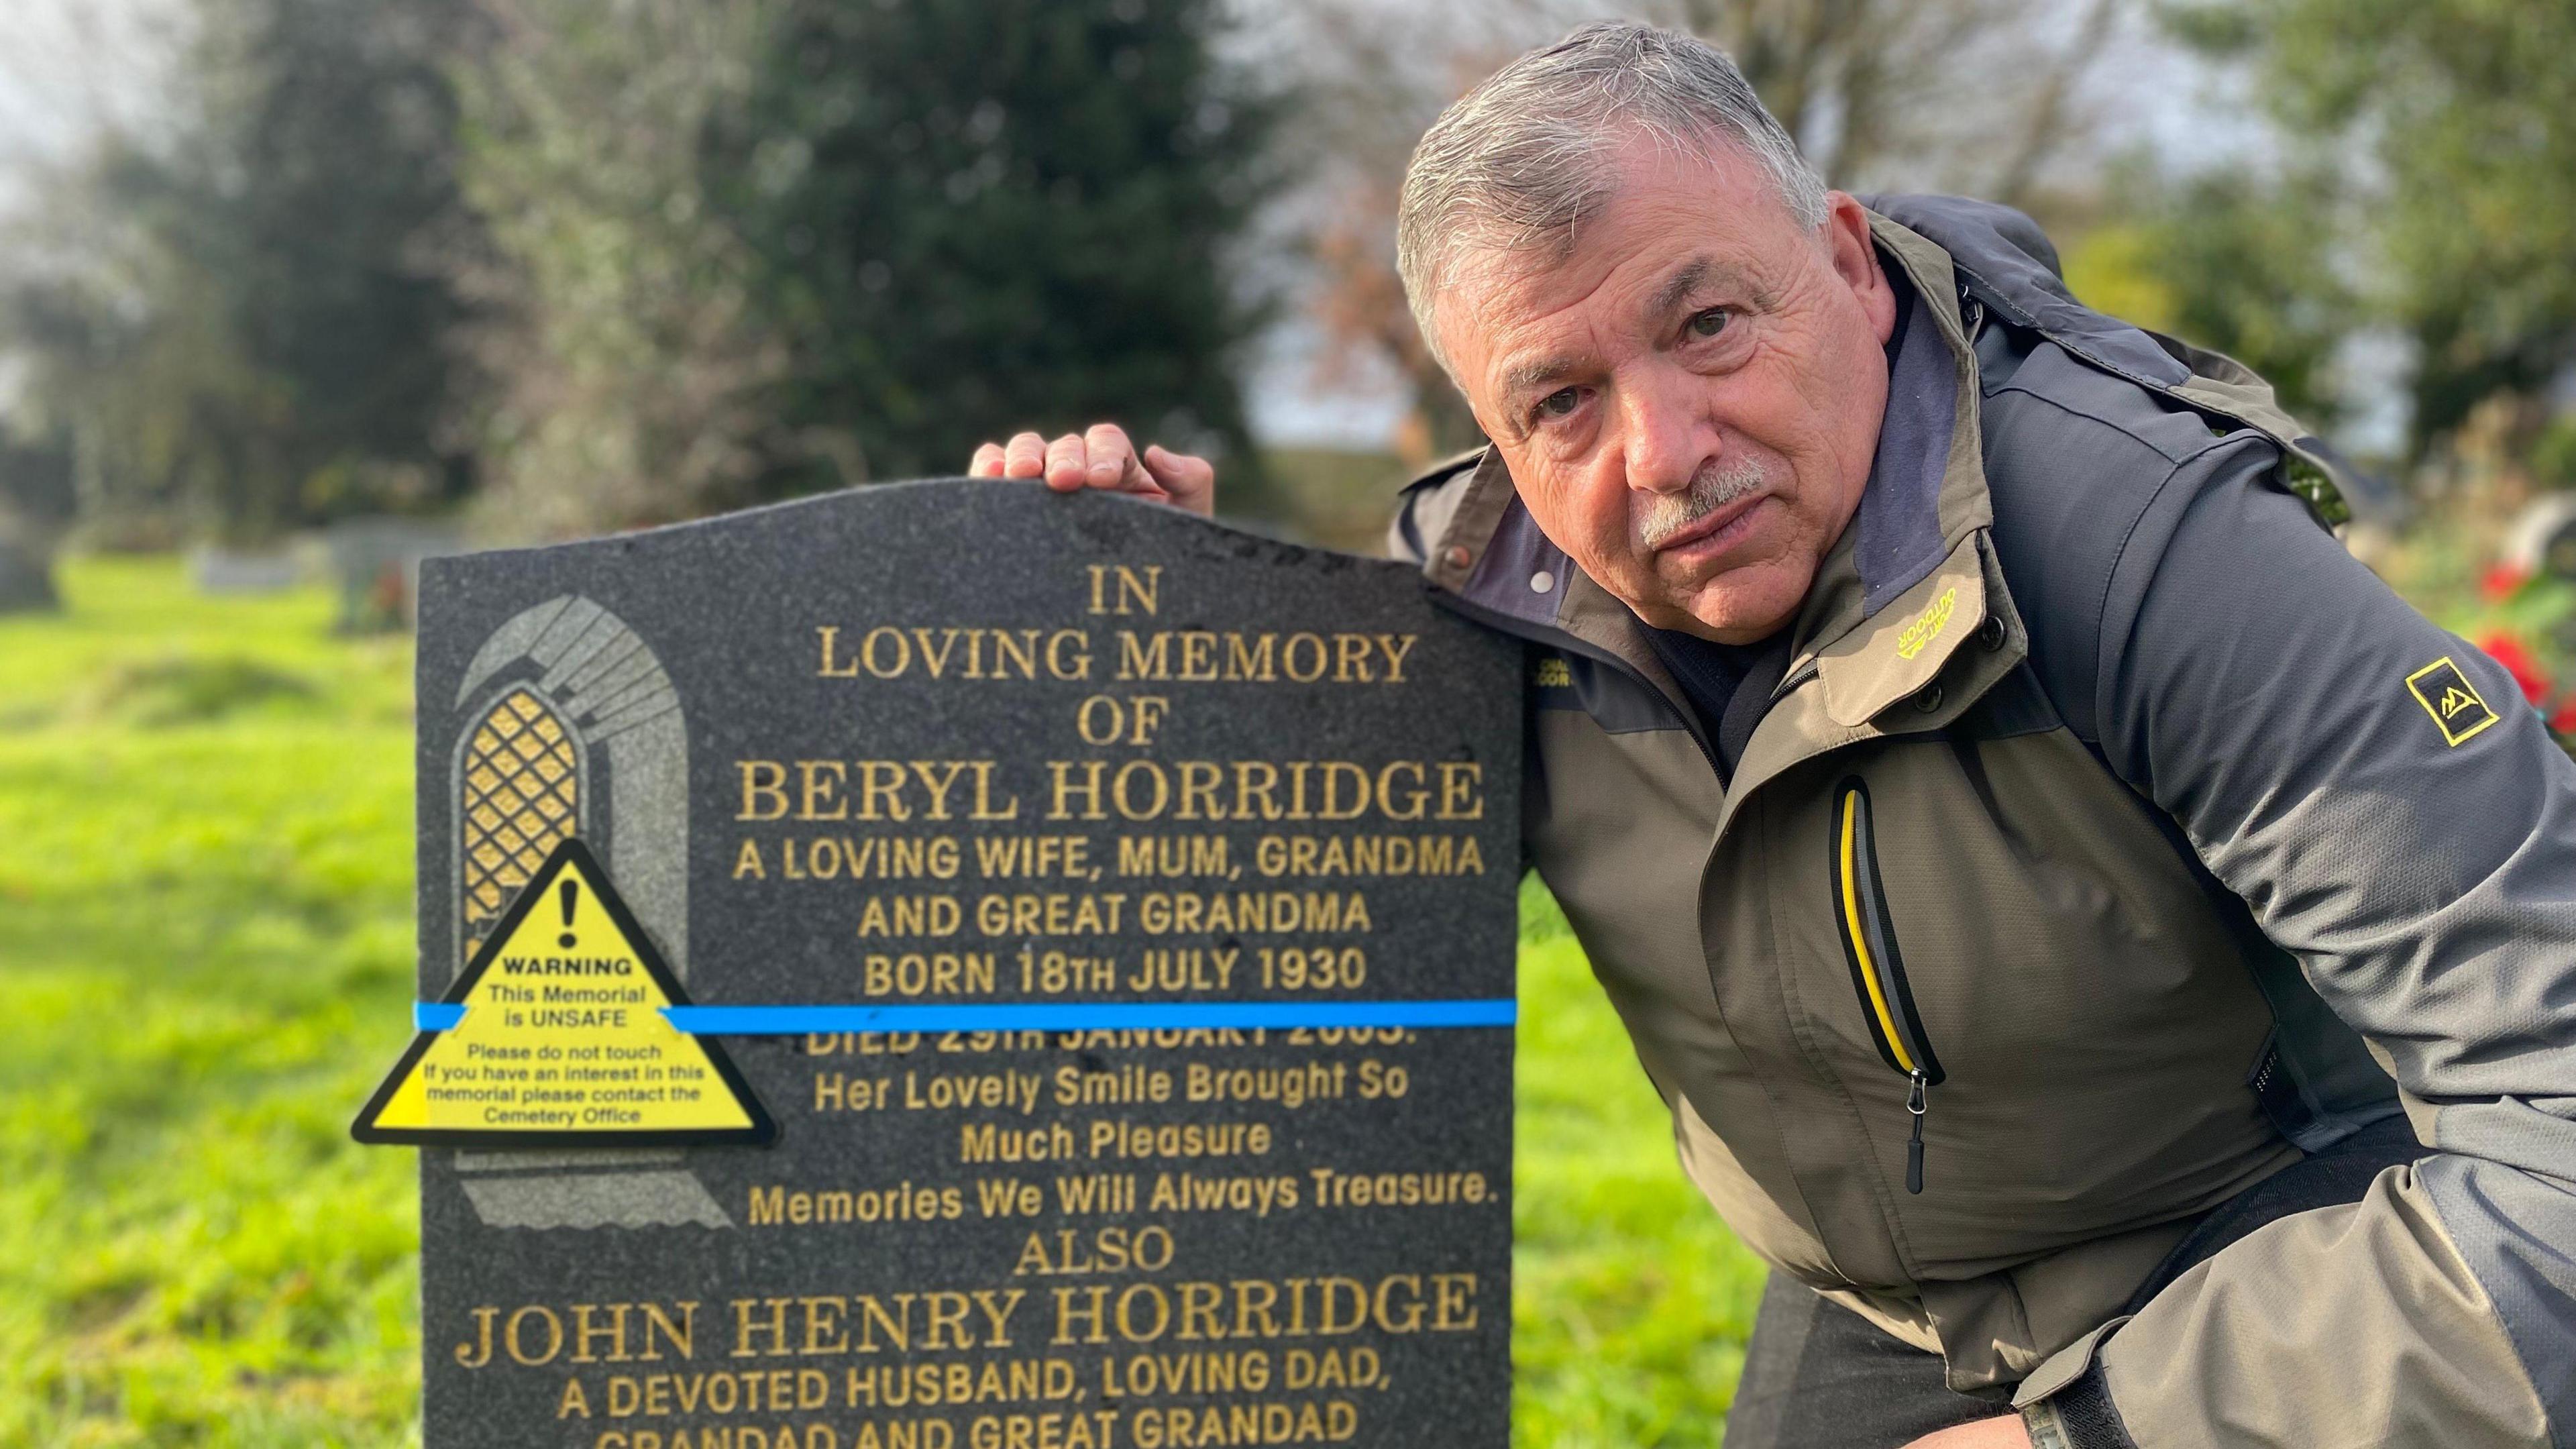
2004,1432
1102,458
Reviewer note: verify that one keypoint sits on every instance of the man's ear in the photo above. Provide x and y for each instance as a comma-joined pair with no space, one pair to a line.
1855,260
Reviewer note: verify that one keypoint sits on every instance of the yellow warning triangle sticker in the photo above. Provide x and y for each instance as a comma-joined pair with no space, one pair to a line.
563,1040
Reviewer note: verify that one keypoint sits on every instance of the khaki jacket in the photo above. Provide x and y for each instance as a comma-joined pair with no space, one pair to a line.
2110,814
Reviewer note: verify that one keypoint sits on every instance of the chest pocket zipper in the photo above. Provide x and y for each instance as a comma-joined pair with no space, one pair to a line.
1868,933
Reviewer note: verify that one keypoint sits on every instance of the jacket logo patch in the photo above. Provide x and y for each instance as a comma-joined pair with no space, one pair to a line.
1927,626
2451,700
1551,673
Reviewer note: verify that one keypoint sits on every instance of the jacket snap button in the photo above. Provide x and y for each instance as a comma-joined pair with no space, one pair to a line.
1991,632
1460,557
1929,699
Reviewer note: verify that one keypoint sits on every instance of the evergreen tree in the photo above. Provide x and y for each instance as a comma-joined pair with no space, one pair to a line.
631,382
2466,113
326,210
975,215
252,322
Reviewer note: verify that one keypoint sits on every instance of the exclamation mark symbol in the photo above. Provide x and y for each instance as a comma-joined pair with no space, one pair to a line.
566,898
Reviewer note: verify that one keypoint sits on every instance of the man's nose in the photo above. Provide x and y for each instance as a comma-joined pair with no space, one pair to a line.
1668,436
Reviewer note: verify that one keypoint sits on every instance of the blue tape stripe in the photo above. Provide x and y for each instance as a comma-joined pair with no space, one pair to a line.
1053,1016
1100,1016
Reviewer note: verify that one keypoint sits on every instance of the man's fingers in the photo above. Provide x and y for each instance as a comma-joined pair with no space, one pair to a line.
1025,457
1112,459
1102,457
1190,480
1067,463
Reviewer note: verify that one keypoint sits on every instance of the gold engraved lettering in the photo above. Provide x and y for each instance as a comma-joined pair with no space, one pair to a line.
1461,790
828,1325
930,773
1144,790
588,1334
880,660
954,652
1397,1305
827,668
983,1142
1367,855
764,790
910,916
985,808
1071,1253
822,780
936,1385
943,973
865,857
1174,856
903,1203
1207,656
1004,857
881,791
1143,590
1317,655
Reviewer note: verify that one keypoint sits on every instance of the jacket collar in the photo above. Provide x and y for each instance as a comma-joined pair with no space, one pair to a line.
1892,601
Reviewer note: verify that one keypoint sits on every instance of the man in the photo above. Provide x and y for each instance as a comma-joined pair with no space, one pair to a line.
2110,955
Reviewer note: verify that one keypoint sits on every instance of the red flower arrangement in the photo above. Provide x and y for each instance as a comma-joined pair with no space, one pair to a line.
2508,651
2500,580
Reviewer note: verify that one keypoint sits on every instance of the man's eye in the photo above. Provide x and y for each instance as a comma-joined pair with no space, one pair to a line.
1558,403
1709,323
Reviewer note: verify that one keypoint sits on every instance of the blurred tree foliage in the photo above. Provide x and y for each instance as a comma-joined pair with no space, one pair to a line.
2234,262
987,214
252,323
617,263
749,250
1980,96
2453,125
610,264
616,315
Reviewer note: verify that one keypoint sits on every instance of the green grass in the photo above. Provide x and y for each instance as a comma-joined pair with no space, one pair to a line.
1632,1301
205,947
204,882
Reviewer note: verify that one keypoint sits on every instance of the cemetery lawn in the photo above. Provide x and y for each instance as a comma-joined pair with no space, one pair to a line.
205,959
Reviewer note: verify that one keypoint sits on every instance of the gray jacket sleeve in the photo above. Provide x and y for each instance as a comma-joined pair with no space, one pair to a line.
2398,819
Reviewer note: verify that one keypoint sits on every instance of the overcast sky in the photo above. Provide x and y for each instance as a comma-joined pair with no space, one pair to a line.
70,66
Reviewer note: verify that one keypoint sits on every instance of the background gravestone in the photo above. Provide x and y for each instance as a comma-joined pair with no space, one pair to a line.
967,744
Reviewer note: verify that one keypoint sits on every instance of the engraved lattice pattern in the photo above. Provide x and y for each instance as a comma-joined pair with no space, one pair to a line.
521,788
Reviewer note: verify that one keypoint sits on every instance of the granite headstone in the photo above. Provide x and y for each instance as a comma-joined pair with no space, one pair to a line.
971,745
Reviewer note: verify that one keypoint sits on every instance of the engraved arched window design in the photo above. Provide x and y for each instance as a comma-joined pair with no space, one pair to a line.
520,795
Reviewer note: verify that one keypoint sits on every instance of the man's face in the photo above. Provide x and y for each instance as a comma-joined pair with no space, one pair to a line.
1690,400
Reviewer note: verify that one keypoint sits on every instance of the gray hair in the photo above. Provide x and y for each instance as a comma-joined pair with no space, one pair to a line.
1520,160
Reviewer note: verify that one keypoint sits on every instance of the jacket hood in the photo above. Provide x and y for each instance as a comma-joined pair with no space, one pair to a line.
2006,266
2005,263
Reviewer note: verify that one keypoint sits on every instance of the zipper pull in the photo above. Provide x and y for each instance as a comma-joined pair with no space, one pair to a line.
1914,1145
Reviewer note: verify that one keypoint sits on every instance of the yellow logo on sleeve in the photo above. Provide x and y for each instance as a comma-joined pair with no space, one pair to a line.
2451,700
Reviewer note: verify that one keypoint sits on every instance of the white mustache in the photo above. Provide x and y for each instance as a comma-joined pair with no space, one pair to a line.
1716,485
